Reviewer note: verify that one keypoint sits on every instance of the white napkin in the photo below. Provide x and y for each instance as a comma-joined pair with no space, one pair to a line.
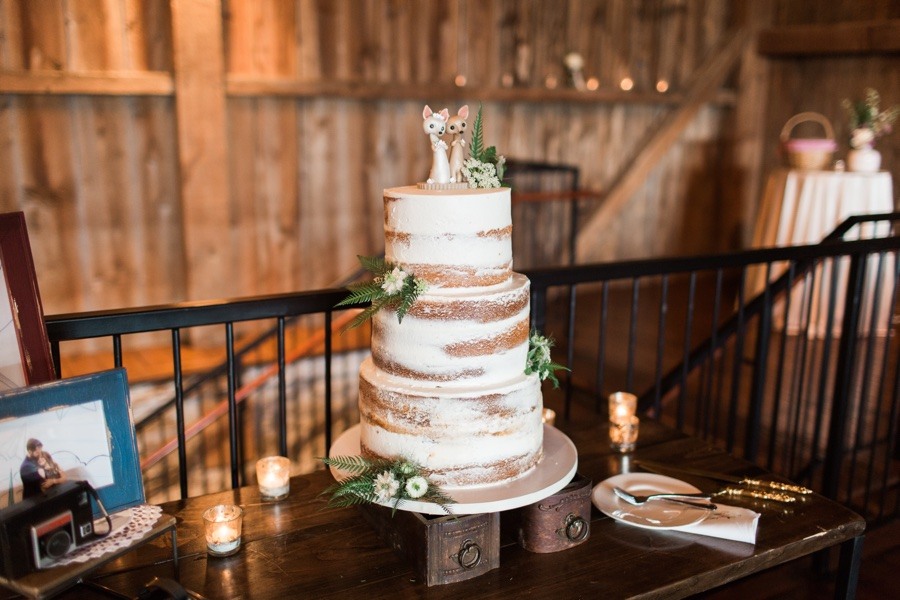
727,522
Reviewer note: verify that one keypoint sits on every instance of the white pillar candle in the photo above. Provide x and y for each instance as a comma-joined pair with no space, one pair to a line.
273,475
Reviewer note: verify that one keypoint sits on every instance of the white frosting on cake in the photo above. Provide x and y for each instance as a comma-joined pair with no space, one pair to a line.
476,338
446,388
461,435
453,239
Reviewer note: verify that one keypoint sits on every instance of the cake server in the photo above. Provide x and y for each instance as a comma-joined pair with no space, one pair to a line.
757,483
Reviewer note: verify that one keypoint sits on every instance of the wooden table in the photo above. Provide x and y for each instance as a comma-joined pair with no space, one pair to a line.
297,548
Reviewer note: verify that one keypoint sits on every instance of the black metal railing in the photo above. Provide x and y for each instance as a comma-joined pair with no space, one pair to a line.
710,343
786,356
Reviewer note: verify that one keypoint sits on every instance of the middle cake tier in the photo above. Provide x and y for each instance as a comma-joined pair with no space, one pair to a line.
457,336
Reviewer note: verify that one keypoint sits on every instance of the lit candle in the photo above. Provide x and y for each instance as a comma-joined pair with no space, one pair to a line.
622,406
548,416
623,435
223,529
273,474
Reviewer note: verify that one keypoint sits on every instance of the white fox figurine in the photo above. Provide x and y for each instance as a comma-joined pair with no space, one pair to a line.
457,126
435,125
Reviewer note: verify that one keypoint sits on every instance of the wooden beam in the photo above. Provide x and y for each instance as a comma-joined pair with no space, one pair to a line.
104,83
202,146
252,86
860,37
706,81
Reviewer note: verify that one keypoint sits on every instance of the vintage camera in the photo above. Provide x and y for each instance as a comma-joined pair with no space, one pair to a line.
37,531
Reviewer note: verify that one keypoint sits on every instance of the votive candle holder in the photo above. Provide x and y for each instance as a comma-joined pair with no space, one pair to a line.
622,406
273,475
623,434
223,529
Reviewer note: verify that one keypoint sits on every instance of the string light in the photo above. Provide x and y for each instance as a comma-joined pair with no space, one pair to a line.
626,84
662,85
592,84
460,81
550,82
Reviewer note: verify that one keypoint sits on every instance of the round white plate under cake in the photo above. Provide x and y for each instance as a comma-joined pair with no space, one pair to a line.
555,470
655,514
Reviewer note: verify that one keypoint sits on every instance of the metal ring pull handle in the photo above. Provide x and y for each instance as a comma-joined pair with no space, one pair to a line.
576,528
469,555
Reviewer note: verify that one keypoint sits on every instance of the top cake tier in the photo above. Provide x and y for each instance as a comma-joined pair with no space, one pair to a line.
459,238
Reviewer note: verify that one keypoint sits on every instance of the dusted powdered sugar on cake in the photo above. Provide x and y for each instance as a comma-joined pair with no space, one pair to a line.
462,436
446,388
461,238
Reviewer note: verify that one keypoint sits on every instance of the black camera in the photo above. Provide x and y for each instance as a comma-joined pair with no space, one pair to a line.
38,531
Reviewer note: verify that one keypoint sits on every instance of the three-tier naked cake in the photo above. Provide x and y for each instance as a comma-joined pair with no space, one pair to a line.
446,388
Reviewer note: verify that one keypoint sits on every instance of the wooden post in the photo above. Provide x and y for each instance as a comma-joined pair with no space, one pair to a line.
202,147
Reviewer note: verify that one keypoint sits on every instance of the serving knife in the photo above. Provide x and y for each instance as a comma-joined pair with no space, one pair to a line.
757,483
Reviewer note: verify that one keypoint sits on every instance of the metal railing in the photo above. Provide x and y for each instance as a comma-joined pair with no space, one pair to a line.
711,344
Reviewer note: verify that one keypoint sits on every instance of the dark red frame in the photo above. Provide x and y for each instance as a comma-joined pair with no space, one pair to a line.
25,297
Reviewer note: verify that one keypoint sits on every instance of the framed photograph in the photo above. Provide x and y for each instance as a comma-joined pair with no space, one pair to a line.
24,348
76,429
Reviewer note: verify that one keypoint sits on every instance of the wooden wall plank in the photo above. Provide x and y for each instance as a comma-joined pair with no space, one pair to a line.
203,147
710,77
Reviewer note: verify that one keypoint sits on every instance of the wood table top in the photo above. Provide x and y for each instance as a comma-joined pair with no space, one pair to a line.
299,548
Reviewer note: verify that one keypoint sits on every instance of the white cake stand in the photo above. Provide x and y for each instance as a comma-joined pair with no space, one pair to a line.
555,470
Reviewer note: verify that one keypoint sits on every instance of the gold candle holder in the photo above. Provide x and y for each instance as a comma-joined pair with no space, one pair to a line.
273,475
223,529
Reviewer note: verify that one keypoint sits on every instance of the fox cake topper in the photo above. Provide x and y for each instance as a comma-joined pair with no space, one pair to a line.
474,166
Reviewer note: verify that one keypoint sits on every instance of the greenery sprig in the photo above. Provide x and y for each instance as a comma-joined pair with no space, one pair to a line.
392,287
485,168
382,481
539,360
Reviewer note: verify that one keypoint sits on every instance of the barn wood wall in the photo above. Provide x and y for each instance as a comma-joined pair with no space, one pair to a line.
322,102
319,112
819,82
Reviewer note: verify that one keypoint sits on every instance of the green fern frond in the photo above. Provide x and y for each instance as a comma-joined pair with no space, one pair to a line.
477,145
361,293
374,264
353,464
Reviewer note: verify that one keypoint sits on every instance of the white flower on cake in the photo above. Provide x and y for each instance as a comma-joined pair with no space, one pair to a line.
392,287
393,281
480,174
539,361
416,487
386,487
383,481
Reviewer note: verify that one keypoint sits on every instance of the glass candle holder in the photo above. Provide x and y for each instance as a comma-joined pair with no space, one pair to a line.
223,529
622,406
548,417
273,475
623,435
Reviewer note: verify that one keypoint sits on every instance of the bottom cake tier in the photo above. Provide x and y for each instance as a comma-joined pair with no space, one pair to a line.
460,436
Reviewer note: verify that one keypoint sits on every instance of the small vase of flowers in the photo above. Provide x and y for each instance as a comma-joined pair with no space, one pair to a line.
867,123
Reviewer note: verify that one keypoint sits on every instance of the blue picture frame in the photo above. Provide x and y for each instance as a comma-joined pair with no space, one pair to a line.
85,422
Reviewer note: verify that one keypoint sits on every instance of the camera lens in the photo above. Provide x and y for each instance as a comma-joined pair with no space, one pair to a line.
58,544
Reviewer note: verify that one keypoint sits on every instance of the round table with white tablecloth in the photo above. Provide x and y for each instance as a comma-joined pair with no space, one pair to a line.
802,207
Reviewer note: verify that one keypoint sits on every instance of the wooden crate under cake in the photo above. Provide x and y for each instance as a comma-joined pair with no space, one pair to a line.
557,522
441,549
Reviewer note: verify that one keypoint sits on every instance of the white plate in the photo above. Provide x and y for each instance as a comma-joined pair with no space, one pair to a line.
551,474
652,515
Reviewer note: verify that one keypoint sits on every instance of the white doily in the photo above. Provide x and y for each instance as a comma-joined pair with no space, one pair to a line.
128,525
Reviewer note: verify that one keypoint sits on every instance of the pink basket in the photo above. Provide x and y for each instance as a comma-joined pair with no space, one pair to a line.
808,153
